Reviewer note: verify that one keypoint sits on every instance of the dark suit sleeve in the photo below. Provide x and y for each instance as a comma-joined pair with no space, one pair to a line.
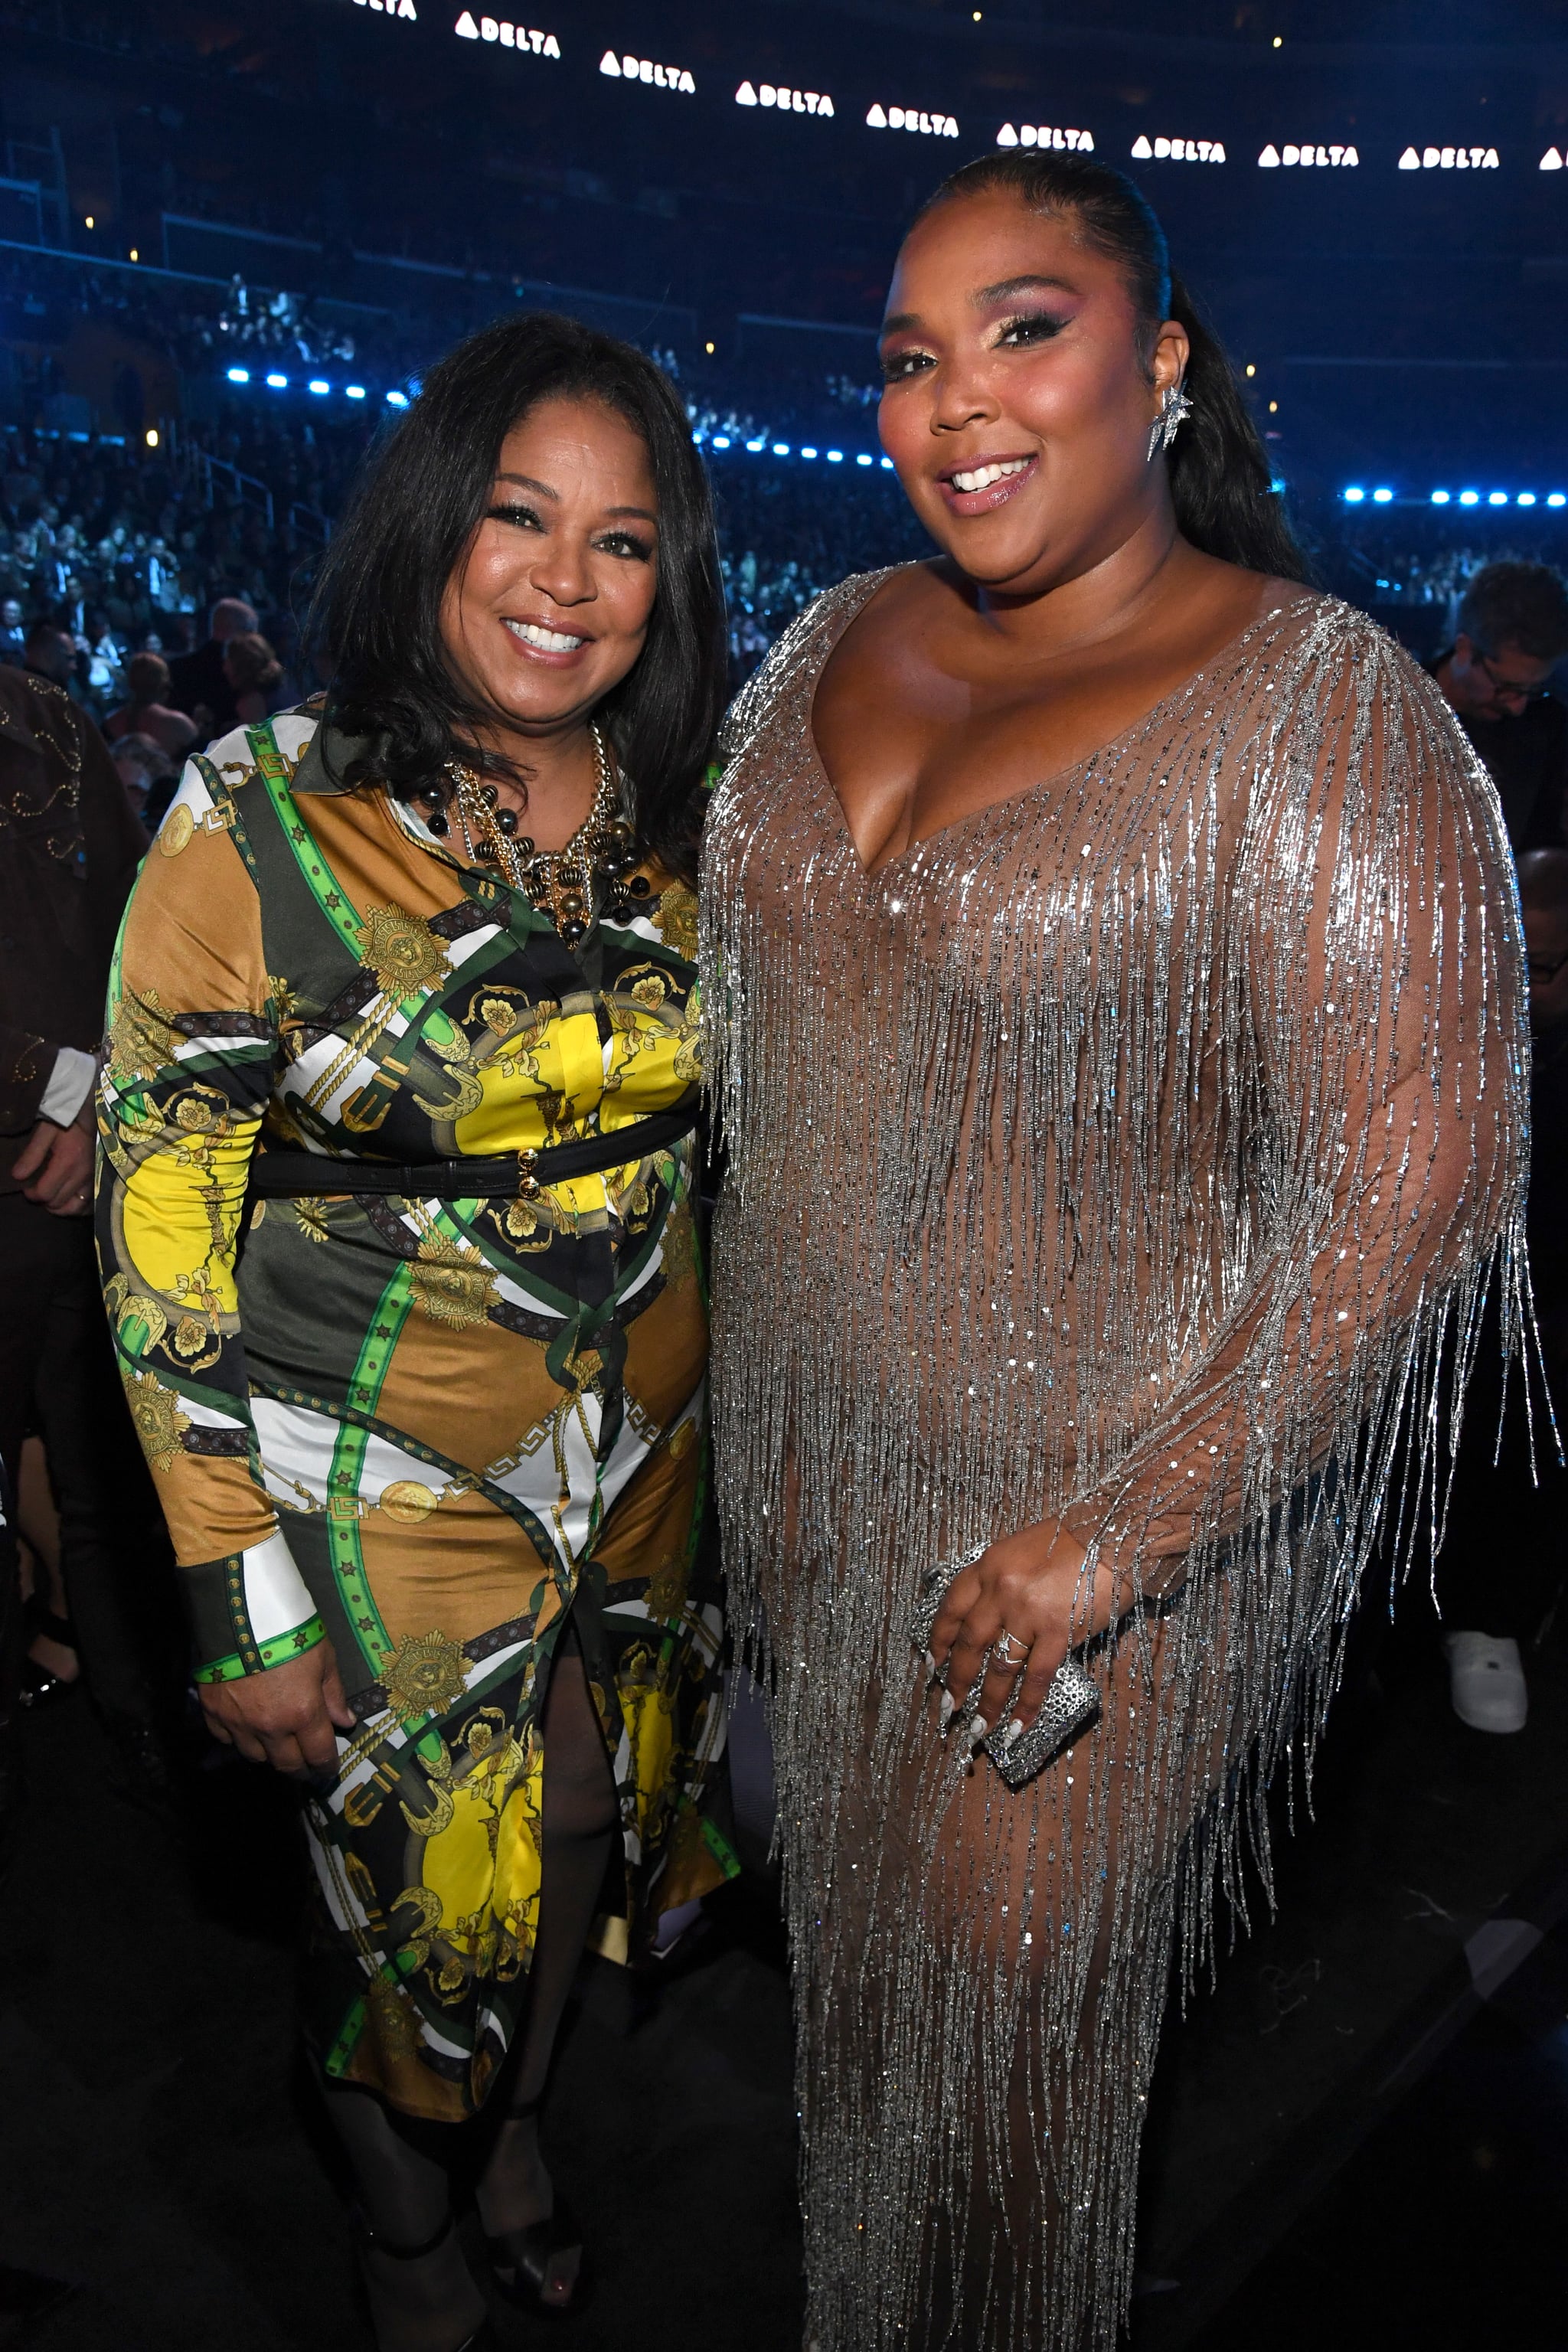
112,833
26,1064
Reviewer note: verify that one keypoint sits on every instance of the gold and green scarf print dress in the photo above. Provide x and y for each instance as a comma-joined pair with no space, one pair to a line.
424,1430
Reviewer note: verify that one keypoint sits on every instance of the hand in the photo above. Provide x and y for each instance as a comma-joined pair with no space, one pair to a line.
59,1160
284,1716
1029,1587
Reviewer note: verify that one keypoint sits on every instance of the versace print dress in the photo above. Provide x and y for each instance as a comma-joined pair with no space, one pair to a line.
432,1431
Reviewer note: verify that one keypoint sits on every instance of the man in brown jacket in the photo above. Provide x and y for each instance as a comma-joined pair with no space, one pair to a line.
69,846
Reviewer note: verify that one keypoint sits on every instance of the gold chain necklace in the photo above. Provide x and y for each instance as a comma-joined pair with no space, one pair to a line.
561,883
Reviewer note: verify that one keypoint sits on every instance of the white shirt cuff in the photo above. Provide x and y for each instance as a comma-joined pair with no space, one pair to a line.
71,1081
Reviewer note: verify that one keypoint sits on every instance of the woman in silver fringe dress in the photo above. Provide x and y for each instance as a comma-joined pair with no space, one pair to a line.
1114,980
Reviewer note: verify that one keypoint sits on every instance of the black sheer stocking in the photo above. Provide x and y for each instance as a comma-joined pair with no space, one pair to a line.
429,2304
580,1818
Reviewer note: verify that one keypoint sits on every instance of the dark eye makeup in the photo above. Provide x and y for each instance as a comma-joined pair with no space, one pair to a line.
631,544
1028,329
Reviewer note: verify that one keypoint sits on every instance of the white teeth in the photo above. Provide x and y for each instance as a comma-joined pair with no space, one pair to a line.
983,476
547,640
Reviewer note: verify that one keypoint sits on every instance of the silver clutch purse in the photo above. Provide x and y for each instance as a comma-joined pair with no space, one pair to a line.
1070,1707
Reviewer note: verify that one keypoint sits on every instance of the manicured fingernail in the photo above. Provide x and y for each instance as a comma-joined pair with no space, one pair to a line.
931,1664
1012,1731
978,1728
948,1708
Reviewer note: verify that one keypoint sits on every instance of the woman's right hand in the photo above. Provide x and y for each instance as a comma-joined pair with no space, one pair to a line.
286,1716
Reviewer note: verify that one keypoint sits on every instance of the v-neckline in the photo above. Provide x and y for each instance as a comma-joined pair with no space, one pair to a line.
854,608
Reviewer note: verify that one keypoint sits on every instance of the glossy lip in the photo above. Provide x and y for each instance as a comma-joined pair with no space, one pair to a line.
979,502
512,622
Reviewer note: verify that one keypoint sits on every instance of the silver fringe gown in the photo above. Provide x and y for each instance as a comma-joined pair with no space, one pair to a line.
1145,1144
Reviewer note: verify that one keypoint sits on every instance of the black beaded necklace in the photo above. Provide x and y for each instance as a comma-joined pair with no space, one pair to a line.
565,883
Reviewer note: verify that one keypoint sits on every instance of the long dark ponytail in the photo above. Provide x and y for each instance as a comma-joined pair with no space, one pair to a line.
1221,481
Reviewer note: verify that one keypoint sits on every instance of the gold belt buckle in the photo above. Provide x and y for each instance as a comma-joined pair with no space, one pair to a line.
527,1180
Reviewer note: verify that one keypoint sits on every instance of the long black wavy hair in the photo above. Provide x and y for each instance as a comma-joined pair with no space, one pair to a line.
1220,478
377,603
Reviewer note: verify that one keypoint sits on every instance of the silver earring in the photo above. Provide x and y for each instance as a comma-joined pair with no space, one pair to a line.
1174,407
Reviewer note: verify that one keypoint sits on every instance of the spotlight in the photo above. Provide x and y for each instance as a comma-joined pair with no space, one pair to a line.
756,445
720,440
1250,368
397,400
1496,498
277,383
1556,498
886,465
781,448
1526,499
318,384
239,375
808,453
836,456
1440,497
152,436
1382,498
708,349
1354,496
1469,498
862,459
354,390
134,254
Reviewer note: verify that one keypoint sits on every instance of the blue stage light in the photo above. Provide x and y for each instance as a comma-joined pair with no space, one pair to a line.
781,448
756,445
863,460
1556,498
279,383
1496,498
239,375
720,440
1526,499
354,390
808,453
1382,498
1440,497
886,465
1353,497
1469,498
836,456
397,400
318,383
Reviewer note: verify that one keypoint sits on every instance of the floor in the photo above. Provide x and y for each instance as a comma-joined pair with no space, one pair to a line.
1361,2135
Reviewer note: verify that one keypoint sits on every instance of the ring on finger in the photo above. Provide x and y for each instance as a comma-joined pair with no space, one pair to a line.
1009,1650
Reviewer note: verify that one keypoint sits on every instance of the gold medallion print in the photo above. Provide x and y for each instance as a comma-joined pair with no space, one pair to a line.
425,1674
175,833
402,950
676,921
452,1284
159,1423
408,1500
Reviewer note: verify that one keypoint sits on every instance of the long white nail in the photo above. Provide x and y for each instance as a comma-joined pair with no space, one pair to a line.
948,1708
978,1728
1010,1732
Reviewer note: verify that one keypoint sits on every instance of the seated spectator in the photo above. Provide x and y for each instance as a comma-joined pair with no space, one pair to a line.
148,773
197,681
1512,632
12,635
255,674
50,652
149,712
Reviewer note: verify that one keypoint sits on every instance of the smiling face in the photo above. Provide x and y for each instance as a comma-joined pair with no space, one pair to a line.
550,608
1018,396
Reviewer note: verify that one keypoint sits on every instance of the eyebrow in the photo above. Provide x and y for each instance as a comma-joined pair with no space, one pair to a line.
526,482
983,298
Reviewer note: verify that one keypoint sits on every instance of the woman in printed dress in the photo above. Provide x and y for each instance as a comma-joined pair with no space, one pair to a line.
396,1216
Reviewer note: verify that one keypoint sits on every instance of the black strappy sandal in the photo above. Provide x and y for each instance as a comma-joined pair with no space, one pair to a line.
483,2337
540,2269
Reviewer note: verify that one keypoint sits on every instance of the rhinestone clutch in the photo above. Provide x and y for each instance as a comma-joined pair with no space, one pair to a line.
1069,1708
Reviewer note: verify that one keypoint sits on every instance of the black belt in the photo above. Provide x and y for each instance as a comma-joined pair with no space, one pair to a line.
509,1176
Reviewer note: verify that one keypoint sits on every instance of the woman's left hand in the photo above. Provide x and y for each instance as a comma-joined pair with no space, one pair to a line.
1026,1598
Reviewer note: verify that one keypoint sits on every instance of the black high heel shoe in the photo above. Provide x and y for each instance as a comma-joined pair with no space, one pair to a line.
539,2269
41,1686
483,2337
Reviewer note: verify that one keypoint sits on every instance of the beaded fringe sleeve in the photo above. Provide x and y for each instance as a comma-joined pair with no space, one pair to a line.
1148,1146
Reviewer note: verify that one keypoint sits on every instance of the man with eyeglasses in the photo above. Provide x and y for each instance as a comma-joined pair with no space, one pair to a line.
1505,1545
1512,632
